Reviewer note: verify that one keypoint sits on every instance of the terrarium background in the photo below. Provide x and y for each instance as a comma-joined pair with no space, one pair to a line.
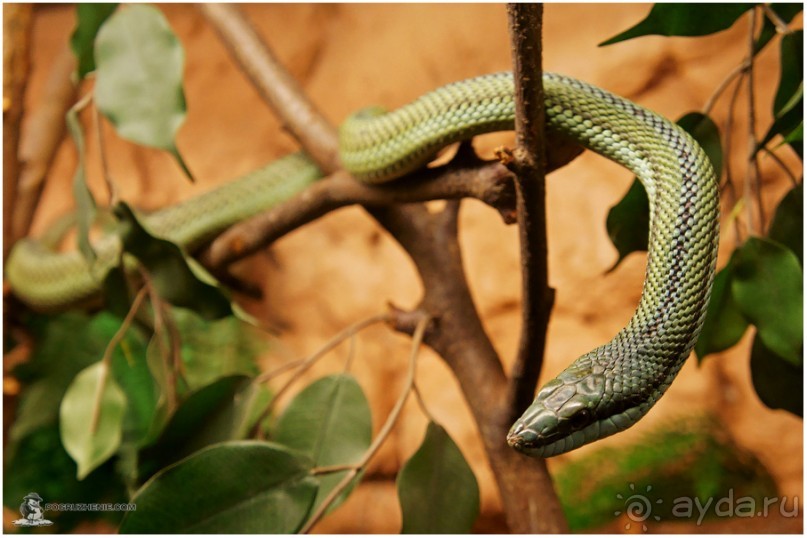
343,268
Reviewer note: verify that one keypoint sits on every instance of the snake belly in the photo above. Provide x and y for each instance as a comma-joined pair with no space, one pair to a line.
600,393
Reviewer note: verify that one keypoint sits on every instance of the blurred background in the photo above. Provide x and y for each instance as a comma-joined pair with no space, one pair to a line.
708,435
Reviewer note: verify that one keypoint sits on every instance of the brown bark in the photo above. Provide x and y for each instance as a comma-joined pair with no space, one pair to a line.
16,44
43,133
529,165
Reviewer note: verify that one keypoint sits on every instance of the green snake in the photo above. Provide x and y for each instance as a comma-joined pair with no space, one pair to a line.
602,392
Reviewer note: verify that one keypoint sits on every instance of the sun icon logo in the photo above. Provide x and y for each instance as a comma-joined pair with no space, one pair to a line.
638,507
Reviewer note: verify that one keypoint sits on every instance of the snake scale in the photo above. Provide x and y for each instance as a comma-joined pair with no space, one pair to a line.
602,392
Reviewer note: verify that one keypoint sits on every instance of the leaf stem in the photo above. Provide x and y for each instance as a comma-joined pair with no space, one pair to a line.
107,358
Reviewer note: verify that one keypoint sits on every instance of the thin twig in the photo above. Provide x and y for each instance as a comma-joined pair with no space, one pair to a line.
164,324
351,353
734,73
781,25
422,404
793,179
107,357
525,23
728,185
268,376
752,174
330,469
305,364
112,188
383,434
309,361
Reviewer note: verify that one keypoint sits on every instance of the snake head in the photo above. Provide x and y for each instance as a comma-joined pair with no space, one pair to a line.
570,411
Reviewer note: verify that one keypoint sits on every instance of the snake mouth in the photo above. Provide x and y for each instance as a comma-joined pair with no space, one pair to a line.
531,443
547,443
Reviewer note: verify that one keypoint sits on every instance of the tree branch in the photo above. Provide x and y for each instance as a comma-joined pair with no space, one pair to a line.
488,182
275,84
528,497
16,45
43,133
525,21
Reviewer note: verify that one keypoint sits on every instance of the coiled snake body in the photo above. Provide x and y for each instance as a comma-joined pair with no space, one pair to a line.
602,392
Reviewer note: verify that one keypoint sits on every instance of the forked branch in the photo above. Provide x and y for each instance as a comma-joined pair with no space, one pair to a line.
456,331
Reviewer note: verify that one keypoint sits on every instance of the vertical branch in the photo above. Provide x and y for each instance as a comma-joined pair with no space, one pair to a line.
752,186
529,500
16,41
43,133
525,21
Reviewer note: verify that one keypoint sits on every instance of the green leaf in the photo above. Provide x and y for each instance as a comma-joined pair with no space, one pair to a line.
66,344
778,381
139,78
210,415
788,105
791,75
787,123
177,279
437,489
795,139
91,444
158,363
684,20
628,222
330,422
724,324
130,369
787,226
767,287
706,133
235,487
89,18
216,349
85,203
49,371
786,12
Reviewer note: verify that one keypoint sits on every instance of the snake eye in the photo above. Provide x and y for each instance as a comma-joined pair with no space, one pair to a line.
579,419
